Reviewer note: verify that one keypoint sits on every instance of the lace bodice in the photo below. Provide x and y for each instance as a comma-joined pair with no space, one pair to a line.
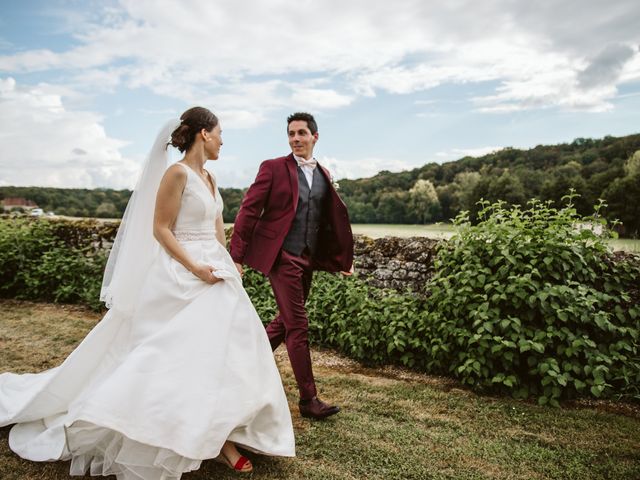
198,210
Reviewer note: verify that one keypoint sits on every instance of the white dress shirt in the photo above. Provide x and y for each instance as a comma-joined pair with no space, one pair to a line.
306,169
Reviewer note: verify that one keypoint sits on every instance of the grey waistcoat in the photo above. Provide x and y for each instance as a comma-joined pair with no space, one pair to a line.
306,224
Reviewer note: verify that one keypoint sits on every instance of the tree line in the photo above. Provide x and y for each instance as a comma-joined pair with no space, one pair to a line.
607,168
99,202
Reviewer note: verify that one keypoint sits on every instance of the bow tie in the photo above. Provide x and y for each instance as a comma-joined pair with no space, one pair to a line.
302,162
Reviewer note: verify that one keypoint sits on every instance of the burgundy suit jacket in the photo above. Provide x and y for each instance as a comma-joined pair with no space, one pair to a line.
267,213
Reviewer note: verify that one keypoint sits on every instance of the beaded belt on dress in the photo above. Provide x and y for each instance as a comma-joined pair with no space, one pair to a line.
195,235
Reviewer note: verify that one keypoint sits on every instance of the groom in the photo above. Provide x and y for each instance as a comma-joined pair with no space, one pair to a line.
292,222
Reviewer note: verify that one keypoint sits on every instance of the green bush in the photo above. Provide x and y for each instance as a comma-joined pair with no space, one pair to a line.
522,303
259,290
58,261
368,324
526,303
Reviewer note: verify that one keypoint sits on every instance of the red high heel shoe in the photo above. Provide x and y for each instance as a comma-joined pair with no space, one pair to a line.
243,465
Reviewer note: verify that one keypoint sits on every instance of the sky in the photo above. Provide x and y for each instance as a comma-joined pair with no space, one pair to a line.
86,85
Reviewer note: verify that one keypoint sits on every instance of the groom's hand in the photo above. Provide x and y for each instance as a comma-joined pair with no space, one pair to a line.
350,272
239,268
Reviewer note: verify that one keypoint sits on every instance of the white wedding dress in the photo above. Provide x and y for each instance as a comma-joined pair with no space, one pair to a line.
152,394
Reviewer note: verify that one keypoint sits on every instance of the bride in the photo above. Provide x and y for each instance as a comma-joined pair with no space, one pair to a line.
180,368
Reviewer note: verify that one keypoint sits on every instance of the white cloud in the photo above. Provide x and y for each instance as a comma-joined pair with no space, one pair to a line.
240,119
46,144
230,175
606,66
551,88
250,60
316,99
540,55
103,80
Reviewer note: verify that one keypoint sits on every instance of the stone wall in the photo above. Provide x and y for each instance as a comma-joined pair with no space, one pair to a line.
407,263
392,262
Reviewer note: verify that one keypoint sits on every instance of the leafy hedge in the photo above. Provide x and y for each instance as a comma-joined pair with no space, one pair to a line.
368,324
58,261
522,303
526,303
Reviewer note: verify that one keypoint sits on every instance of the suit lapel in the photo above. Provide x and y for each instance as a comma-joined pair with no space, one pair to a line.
334,194
292,167
326,174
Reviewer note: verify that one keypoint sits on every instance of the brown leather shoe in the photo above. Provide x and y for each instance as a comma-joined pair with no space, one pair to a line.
316,408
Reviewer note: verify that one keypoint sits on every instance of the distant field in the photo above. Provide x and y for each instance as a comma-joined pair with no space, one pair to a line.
626,244
435,230
445,230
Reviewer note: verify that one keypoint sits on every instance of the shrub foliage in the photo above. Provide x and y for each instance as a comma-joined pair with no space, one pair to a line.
59,261
523,303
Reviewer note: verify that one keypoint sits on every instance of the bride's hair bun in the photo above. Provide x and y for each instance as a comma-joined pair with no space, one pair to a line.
192,121
179,137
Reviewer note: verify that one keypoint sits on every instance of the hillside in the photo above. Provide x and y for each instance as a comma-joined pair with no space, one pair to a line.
604,168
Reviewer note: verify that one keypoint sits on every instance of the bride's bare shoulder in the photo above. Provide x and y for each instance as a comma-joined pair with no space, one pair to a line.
177,171
174,178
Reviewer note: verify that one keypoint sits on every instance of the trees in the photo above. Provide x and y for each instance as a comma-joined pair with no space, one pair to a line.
423,201
106,210
392,208
623,197
595,168
617,196
361,212
448,196
563,179
507,187
632,166
466,182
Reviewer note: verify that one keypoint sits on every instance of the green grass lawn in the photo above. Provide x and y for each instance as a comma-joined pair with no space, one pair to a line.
395,424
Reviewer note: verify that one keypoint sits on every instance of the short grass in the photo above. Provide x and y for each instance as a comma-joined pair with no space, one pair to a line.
395,424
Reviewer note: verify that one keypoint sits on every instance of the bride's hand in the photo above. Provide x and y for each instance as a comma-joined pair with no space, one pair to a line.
239,268
205,273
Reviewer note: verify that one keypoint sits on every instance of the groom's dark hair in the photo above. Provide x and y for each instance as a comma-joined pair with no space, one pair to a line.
305,117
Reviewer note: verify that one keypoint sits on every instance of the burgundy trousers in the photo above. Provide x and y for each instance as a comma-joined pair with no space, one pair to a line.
290,280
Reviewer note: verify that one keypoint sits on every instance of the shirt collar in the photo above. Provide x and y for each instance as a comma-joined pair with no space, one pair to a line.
312,162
